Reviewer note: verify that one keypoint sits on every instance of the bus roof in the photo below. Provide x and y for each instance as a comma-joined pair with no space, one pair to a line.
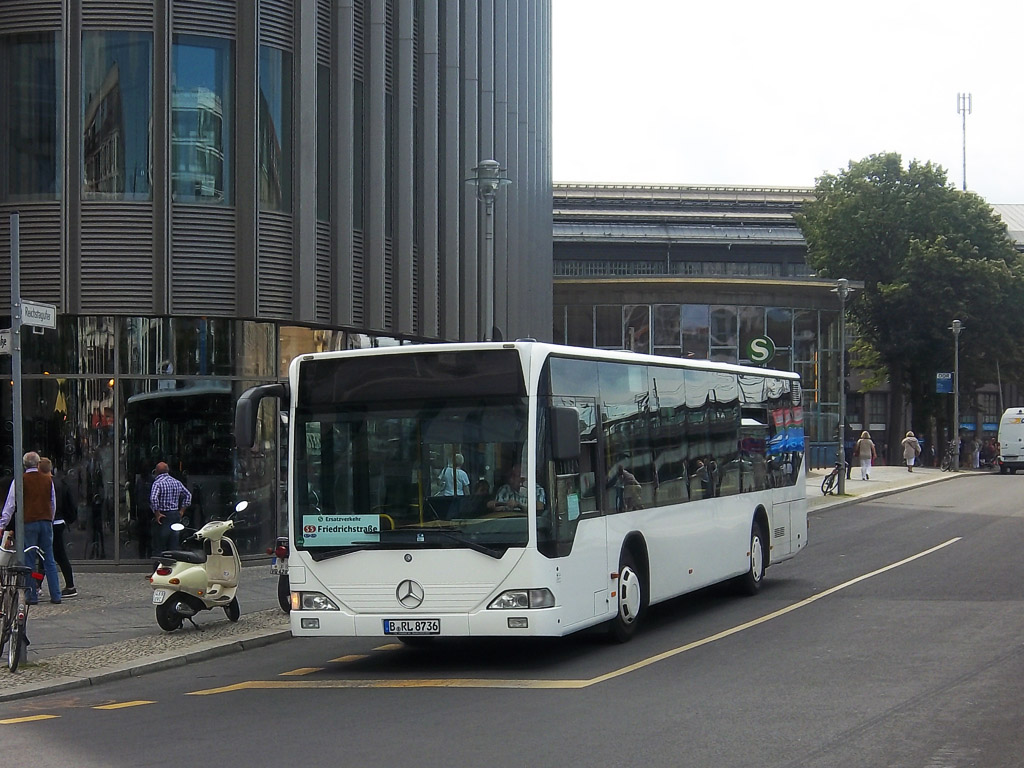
191,389
541,350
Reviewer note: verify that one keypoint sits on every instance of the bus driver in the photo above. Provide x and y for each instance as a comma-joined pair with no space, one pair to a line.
512,497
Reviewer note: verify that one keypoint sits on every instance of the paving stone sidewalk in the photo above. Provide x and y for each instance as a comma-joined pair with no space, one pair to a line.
110,631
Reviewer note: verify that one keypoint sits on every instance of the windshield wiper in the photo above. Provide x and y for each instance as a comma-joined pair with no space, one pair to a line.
453,534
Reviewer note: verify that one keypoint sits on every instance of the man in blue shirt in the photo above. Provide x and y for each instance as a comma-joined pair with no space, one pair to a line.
168,499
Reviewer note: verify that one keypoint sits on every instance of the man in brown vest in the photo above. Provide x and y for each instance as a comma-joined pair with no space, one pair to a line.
40,503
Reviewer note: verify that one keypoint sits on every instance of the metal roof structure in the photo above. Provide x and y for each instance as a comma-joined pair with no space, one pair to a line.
722,215
1013,215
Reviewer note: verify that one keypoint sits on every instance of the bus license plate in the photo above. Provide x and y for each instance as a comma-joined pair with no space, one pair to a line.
412,626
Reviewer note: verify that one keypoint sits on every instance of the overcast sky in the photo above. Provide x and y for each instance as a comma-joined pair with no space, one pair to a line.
777,93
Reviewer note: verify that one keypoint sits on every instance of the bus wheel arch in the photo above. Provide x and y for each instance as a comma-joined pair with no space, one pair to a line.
758,554
631,589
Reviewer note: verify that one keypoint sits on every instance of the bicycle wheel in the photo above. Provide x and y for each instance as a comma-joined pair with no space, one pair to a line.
17,634
947,463
6,621
828,485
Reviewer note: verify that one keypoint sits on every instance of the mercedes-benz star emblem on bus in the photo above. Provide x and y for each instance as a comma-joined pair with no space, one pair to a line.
410,594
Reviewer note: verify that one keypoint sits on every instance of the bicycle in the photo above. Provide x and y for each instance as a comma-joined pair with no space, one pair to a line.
831,481
14,604
948,457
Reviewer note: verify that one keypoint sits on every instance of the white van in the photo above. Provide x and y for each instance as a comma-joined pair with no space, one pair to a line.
1011,440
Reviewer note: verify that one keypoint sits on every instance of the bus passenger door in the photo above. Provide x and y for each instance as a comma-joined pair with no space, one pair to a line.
580,540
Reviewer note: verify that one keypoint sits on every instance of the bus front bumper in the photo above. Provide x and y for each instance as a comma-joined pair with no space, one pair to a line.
536,622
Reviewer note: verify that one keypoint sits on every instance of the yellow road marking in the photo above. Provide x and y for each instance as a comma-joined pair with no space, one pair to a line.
389,647
350,657
124,704
567,684
302,671
30,719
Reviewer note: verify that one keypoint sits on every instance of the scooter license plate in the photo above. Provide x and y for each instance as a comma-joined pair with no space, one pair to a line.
159,595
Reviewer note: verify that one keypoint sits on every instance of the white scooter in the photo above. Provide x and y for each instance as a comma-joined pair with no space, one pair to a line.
188,581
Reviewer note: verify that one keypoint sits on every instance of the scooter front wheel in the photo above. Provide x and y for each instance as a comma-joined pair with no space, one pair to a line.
232,611
168,619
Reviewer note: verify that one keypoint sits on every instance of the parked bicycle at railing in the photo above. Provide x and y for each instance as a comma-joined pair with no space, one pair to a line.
830,483
14,603
949,457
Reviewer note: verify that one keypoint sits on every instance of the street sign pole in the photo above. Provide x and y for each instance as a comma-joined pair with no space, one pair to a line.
19,470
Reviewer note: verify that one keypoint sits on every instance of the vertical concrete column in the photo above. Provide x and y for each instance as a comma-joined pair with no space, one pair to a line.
427,206
452,181
342,162
404,174
161,159
513,257
304,170
375,169
247,48
498,76
471,246
72,197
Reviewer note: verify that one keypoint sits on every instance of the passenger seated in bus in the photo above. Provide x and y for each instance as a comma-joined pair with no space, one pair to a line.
511,497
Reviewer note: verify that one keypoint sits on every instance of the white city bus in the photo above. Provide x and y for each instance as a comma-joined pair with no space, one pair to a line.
599,483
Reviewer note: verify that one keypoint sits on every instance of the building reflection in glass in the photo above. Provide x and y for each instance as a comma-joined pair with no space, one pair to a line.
116,115
200,120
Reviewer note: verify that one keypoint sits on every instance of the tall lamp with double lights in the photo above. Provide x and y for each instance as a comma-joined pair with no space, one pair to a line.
488,179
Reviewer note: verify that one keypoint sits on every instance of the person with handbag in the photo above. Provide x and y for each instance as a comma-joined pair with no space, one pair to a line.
911,450
864,450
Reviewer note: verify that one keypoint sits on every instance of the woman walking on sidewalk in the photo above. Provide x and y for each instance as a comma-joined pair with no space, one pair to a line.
865,453
911,450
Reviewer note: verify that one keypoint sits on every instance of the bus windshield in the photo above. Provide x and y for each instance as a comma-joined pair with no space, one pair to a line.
420,474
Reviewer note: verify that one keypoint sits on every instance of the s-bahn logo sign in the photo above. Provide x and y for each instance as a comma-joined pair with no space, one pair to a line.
760,350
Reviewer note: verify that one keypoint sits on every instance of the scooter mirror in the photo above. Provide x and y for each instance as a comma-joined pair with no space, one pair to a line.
241,506
177,527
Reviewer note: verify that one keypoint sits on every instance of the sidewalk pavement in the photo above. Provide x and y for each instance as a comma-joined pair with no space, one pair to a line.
885,480
109,631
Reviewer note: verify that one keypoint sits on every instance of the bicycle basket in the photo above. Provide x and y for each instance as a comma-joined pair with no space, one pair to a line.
8,553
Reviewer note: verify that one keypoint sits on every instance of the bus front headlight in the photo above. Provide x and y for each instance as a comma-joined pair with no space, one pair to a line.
315,601
519,599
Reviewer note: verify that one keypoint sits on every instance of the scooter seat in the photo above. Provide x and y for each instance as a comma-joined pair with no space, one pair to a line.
184,556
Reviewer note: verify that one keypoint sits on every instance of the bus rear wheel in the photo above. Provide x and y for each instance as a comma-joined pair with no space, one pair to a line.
750,582
630,597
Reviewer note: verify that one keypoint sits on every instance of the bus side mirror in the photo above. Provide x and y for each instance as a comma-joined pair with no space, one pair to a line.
565,433
248,406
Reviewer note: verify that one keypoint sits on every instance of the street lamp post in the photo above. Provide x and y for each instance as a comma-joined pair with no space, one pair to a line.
488,180
842,290
956,327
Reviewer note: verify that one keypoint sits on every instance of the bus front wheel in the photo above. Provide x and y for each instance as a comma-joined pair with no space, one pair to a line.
750,582
629,598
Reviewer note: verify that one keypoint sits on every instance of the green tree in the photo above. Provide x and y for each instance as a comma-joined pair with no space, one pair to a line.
927,253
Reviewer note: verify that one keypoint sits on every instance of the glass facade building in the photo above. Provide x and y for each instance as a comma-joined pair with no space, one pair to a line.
207,188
